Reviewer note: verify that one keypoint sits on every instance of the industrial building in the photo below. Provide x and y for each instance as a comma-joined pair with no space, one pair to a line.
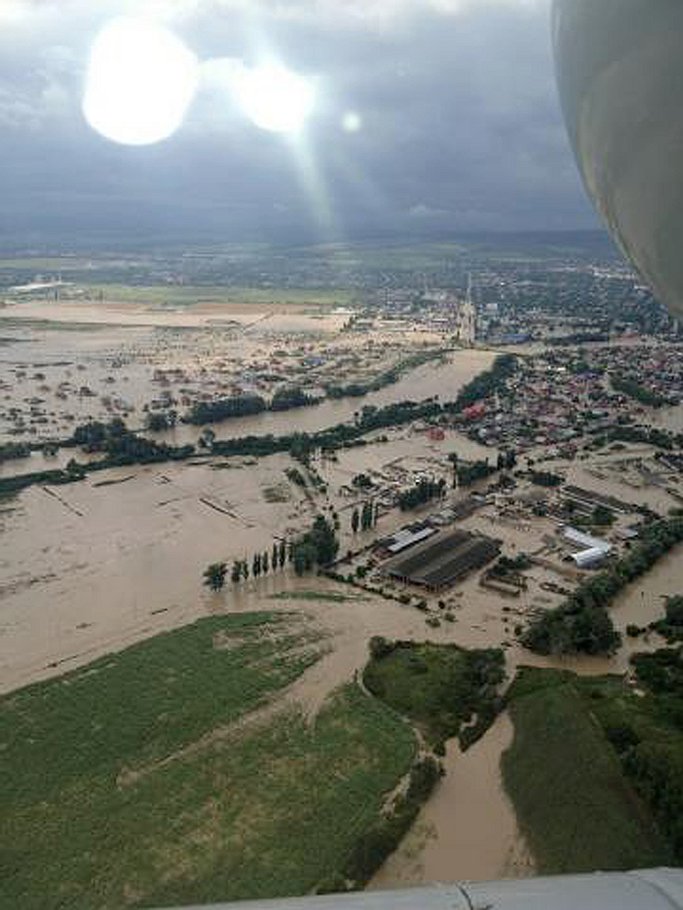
442,560
593,550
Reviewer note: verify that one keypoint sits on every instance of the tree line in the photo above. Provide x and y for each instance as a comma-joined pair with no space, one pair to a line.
422,492
364,518
316,548
388,377
284,399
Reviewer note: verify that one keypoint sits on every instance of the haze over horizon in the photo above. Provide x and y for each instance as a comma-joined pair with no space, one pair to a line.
430,117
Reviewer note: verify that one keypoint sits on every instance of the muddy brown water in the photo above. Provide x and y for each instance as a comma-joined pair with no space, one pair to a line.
87,569
468,829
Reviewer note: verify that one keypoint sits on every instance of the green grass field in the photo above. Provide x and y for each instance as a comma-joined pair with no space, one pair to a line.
574,805
44,263
142,781
189,295
439,687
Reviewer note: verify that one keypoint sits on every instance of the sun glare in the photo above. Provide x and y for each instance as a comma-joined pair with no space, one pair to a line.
275,98
141,80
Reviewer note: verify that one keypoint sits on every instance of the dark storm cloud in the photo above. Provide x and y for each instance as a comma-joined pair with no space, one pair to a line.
459,124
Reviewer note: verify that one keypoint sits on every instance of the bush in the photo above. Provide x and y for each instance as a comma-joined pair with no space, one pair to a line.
380,647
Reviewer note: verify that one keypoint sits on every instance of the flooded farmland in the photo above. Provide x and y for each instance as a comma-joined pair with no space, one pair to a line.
90,567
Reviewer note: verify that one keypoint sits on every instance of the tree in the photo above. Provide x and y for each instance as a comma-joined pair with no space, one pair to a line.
325,541
304,555
75,470
301,447
319,546
366,516
214,575
453,459
207,438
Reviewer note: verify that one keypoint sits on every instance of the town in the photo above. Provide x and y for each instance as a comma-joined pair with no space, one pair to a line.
403,480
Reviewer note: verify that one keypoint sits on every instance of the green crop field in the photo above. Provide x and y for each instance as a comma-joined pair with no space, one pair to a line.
189,295
574,805
143,780
44,263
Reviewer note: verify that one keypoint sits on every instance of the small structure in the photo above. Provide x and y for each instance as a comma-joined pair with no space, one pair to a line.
593,550
406,538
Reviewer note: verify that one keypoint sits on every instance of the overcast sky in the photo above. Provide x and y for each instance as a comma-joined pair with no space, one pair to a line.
455,119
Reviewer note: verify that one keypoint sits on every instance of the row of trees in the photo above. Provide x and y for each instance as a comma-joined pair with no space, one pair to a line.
652,436
365,517
486,384
317,547
470,472
635,390
388,377
10,450
215,575
245,405
223,408
122,446
581,624
423,491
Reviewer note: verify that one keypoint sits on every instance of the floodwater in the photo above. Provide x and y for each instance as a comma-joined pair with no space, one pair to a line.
444,380
60,378
91,567
670,418
468,829
642,601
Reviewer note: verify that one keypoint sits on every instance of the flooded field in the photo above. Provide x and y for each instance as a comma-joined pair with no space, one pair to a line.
57,374
91,566
87,568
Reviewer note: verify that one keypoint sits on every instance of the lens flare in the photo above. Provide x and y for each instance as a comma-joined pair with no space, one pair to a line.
141,80
352,122
275,98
